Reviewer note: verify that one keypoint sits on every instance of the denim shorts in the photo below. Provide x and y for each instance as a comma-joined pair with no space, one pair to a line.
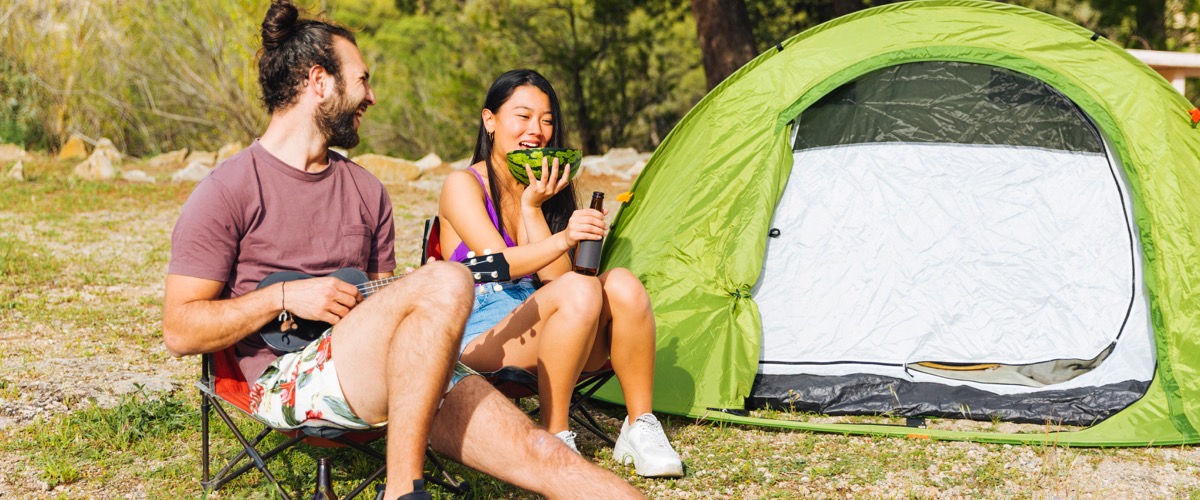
493,301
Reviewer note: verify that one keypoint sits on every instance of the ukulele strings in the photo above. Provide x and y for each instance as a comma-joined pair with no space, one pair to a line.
373,286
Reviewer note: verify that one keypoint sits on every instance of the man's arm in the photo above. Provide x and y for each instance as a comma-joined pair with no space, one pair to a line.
196,321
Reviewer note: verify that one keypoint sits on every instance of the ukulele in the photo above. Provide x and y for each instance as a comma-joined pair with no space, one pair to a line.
289,333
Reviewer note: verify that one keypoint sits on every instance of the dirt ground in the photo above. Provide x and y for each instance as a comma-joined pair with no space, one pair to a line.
80,327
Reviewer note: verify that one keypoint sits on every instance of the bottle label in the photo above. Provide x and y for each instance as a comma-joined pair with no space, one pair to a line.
587,256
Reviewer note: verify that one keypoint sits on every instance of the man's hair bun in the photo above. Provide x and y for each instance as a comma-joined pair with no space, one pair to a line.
279,24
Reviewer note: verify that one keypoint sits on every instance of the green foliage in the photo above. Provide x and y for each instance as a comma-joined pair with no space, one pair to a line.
162,75
63,448
20,117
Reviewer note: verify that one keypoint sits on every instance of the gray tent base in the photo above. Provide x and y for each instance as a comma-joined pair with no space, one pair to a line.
880,395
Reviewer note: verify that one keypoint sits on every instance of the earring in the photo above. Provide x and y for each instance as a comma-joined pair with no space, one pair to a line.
491,137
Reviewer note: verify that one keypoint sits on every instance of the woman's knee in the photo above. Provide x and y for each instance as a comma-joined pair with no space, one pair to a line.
625,292
578,294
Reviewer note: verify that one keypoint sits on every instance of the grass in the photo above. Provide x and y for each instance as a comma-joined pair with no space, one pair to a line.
81,272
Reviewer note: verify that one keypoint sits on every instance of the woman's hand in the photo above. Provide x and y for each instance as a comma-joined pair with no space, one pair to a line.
552,181
585,224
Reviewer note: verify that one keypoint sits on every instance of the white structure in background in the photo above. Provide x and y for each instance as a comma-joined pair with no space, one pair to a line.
1176,67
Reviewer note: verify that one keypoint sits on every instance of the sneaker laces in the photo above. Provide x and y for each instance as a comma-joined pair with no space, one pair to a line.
568,438
654,430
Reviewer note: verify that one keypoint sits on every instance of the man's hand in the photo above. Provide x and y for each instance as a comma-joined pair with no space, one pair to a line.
323,299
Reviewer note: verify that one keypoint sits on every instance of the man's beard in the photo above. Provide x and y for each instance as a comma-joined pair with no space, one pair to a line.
335,120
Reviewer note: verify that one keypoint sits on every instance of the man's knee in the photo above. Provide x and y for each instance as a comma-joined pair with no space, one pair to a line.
547,450
445,283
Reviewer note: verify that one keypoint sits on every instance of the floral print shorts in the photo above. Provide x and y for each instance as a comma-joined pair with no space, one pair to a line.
301,389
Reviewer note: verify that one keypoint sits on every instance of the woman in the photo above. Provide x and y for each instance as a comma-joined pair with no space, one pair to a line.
572,322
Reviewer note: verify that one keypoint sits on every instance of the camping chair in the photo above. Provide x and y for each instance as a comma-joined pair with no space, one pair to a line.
221,383
518,383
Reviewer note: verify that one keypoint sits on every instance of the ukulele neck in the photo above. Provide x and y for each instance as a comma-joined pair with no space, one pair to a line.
371,287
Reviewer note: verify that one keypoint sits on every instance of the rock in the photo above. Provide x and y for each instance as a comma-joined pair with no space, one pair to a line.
102,164
461,164
96,167
226,151
105,147
636,169
168,161
74,149
194,172
340,151
430,161
137,176
433,165
205,158
623,163
387,169
17,172
595,165
12,152
620,158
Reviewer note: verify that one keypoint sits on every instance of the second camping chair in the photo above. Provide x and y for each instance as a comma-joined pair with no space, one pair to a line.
518,383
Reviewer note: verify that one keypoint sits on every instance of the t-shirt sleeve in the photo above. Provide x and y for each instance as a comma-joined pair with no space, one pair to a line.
383,250
204,241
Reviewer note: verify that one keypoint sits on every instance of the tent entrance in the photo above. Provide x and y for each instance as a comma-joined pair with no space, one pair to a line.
954,225
1031,375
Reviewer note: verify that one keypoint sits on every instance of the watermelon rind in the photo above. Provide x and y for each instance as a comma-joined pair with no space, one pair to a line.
533,157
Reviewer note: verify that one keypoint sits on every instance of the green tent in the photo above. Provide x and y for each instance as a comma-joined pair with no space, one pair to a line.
933,208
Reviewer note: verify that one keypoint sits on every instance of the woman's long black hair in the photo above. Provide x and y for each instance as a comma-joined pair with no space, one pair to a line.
558,208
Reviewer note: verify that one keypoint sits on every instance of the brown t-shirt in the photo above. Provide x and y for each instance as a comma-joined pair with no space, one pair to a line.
255,215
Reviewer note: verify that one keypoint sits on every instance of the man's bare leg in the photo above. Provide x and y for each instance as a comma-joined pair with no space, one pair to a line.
482,429
394,353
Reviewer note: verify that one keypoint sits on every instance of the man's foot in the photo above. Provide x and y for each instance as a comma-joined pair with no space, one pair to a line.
568,438
418,492
645,444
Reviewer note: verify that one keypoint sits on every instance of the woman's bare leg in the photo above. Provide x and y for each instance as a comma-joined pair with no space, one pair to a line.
627,336
552,334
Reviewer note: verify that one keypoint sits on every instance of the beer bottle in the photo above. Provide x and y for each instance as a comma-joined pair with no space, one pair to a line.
587,256
324,481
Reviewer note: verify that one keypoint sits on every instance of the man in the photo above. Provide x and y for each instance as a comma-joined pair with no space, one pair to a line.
287,203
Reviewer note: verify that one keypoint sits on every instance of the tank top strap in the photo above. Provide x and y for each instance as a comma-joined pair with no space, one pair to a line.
460,252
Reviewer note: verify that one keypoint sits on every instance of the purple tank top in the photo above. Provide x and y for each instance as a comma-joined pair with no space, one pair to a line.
460,252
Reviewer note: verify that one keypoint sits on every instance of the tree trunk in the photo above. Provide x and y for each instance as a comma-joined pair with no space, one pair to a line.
1151,23
587,136
726,42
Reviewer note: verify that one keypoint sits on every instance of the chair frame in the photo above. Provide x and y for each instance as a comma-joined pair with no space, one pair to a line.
518,383
212,400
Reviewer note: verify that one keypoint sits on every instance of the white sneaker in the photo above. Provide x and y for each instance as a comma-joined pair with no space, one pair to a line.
645,444
568,438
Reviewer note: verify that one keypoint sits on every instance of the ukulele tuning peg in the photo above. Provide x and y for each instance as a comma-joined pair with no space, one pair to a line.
489,259
470,254
487,251
477,276
495,274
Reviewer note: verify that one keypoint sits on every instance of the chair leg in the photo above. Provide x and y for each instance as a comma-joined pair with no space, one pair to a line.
458,486
446,481
205,408
582,415
257,460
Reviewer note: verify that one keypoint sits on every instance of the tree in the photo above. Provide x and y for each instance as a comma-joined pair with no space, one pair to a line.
726,41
